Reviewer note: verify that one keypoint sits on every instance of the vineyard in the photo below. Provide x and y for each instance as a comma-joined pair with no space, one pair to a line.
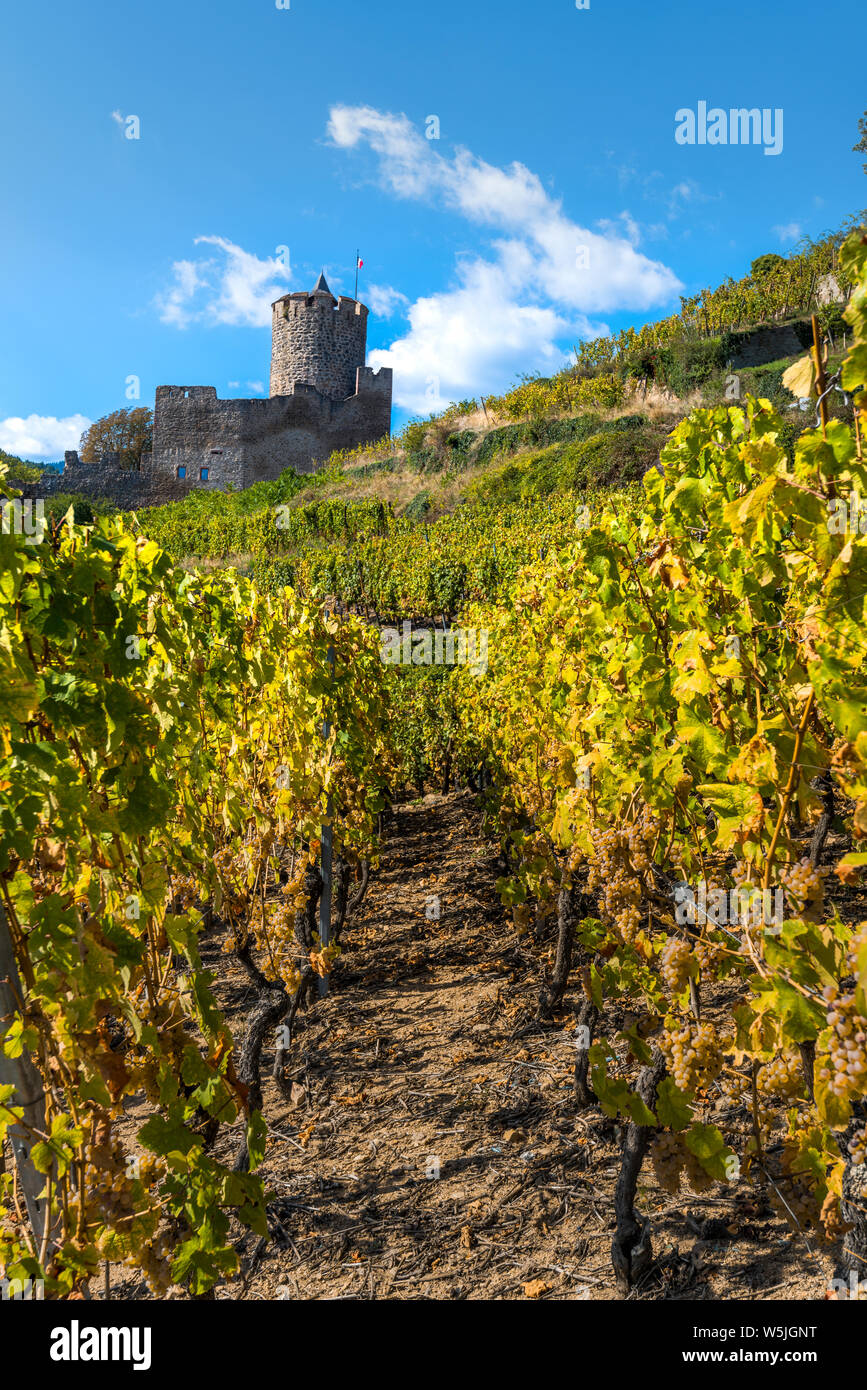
325,977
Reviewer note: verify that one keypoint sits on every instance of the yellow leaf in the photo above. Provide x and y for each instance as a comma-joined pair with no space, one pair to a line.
800,378
304,1135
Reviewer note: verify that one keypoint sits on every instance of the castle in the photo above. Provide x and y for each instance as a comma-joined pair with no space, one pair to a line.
322,398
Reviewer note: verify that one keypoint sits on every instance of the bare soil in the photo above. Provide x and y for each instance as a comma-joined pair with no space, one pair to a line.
434,1149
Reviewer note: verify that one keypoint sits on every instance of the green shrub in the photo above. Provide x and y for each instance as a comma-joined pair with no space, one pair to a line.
417,507
446,583
618,451
19,470
270,576
85,509
682,367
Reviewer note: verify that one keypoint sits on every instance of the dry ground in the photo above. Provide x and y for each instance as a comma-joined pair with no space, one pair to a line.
434,1150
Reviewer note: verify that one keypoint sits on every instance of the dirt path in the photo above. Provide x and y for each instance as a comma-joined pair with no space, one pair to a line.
434,1150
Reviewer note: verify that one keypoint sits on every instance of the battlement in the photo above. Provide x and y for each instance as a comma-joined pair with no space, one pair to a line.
368,381
181,393
291,306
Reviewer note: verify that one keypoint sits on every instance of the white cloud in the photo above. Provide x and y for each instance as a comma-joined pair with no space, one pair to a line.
685,195
257,387
464,341
514,201
384,300
41,436
118,118
534,285
233,287
790,231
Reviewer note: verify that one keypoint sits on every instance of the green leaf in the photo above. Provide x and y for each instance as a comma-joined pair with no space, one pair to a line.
673,1109
706,1143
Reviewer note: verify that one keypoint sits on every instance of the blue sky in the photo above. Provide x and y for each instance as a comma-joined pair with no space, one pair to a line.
306,128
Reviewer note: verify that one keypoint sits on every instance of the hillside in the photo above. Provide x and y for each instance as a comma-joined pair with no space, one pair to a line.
451,509
516,951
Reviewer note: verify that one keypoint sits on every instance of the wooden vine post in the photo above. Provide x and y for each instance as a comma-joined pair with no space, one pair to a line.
326,858
28,1096
821,384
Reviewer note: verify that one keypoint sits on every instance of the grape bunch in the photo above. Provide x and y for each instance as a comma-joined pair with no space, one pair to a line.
187,892
857,1146
666,1156
675,963
708,954
693,1054
795,1200
672,1160
232,869
113,1193
622,858
279,945
805,888
844,1069
859,941
154,1259
782,1077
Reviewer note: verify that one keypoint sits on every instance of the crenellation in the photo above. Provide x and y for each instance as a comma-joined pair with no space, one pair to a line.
319,340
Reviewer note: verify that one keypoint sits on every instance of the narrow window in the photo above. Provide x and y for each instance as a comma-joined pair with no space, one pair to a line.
182,472
203,474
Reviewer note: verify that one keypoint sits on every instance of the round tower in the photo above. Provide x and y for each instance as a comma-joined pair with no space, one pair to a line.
317,340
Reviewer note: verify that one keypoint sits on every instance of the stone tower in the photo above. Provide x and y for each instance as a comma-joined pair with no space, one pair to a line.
317,340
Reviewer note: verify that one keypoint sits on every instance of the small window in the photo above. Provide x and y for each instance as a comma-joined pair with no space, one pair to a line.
182,472
203,474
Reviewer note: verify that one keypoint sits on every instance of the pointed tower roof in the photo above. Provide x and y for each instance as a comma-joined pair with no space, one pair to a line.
322,285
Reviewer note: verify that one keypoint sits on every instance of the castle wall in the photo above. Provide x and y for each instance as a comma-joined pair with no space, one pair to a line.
126,488
241,442
313,341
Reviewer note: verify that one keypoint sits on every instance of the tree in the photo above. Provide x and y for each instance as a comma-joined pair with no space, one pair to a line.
861,147
19,470
126,432
765,265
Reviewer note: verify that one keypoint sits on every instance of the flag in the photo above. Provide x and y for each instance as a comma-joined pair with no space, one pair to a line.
360,263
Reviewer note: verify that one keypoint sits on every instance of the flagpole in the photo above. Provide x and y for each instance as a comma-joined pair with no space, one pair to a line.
356,274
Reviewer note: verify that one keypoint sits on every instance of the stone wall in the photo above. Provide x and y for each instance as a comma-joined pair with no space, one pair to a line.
126,488
757,346
318,341
241,442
